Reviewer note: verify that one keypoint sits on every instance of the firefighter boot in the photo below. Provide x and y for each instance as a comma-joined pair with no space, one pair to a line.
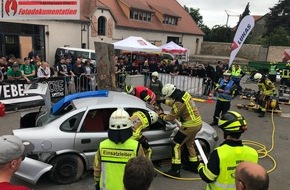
191,166
174,171
262,114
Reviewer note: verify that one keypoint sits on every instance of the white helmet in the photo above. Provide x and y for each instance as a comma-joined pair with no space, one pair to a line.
153,116
120,119
227,73
155,74
257,76
168,89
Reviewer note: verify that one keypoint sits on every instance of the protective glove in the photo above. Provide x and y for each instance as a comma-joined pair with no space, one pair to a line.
97,186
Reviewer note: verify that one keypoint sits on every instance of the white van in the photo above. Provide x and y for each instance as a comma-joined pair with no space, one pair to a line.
74,53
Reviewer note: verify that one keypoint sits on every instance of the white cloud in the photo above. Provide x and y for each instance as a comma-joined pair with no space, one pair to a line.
213,11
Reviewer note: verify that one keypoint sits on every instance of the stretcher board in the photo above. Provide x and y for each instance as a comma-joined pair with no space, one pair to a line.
201,152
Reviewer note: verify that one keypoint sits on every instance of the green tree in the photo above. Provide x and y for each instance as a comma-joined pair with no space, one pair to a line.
279,37
245,13
220,33
279,17
194,13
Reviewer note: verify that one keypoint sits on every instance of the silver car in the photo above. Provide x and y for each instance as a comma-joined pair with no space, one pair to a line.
65,144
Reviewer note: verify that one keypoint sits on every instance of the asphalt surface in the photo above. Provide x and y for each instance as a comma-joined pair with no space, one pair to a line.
259,130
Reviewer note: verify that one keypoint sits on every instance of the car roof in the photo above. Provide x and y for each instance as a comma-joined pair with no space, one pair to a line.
113,100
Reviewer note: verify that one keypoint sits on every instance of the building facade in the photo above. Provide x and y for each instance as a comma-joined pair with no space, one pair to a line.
107,21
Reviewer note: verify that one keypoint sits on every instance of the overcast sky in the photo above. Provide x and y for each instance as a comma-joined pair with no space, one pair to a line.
213,11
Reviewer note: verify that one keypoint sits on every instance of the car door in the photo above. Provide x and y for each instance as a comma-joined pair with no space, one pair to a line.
92,130
159,137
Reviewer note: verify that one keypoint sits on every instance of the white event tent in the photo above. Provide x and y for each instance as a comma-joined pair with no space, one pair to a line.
134,43
172,47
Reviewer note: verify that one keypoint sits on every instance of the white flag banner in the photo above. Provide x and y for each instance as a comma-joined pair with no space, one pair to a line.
244,29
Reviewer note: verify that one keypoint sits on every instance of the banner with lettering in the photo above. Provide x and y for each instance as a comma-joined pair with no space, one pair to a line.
40,9
12,92
244,29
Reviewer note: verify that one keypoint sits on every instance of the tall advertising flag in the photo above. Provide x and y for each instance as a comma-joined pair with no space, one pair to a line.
244,29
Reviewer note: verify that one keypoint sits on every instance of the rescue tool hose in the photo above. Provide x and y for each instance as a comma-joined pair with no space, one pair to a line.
263,152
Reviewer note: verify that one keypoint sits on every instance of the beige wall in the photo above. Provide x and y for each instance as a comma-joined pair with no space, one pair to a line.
247,51
276,53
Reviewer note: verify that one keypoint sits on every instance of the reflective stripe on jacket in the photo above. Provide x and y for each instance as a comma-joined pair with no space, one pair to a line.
285,73
230,157
150,95
267,87
236,73
184,109
113,160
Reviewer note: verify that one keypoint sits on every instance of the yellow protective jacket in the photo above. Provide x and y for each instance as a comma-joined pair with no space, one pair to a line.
266,88
223,162
184,109
110,161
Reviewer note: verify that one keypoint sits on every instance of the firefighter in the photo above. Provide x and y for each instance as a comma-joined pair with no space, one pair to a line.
142,92
285,76
184,109
225,90
273,71
156,86
114,152
224,159
266,90
141,121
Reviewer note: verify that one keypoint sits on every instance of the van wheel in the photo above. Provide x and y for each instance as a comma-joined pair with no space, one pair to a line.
66,169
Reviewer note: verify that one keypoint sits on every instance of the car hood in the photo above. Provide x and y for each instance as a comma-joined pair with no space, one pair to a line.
31,170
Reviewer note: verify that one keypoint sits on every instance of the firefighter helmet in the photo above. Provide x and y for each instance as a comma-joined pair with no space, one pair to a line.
129,89
153,116
119,120
155,74
258,76
168,90
227,73
232,122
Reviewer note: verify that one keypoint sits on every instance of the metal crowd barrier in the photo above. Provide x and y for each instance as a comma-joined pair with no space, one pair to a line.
80,83
195,86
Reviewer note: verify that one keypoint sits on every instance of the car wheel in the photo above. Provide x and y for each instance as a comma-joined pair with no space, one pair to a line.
66,169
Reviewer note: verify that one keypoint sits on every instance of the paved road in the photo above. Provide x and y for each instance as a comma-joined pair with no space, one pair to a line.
259,129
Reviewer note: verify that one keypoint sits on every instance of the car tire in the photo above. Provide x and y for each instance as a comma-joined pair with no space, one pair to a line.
66,169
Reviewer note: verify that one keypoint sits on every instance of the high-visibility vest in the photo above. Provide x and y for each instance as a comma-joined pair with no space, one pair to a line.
236,73
230,157
114,158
